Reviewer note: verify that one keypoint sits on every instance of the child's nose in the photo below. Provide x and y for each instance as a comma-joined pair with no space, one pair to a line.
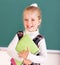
29,22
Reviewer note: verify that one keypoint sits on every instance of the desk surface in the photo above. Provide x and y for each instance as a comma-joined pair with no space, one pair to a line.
4,58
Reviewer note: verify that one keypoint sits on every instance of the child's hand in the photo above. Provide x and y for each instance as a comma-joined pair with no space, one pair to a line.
27,62
24,54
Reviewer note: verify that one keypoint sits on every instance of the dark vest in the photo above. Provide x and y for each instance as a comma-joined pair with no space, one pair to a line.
36,40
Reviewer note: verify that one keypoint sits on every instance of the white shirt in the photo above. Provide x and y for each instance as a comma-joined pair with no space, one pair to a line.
35,59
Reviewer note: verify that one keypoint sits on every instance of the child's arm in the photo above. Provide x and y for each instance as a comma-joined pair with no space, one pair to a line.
11,48
43,53
13,43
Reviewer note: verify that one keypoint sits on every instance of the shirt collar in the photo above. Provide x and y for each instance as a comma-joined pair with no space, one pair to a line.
32,34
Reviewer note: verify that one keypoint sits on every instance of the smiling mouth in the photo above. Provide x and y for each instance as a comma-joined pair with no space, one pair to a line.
29,27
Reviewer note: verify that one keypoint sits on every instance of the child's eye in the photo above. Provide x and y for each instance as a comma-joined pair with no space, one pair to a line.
26,19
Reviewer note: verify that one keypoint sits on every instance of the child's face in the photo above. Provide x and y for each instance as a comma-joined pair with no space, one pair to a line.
31,21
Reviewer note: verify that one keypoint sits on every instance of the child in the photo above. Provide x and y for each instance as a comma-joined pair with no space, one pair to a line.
32,20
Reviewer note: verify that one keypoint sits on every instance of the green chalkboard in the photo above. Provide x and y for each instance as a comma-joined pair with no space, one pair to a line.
11,20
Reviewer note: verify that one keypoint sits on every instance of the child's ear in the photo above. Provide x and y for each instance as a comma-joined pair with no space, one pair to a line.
40,21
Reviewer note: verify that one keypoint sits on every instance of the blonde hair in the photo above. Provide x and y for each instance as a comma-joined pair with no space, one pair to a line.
33,9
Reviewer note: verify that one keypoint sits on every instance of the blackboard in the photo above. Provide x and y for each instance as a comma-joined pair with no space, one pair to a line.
11,20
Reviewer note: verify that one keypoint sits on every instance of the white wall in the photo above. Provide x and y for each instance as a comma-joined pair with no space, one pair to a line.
53,57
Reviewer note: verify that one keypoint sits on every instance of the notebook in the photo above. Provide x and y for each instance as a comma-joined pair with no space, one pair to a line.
26,42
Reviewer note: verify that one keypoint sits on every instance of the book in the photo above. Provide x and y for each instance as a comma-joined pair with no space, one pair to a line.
26,42
16,62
